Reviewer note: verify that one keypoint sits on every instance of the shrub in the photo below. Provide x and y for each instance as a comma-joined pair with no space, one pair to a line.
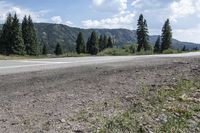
114,52
142,52
170,51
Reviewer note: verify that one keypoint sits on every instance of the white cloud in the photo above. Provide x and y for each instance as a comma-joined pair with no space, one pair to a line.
59,20
188,35
110,5
137,4
6,7
117,21
182,8
56,19
69,23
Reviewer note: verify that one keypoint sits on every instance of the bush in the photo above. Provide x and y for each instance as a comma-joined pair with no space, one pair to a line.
130,48
74,54
170,51
142,52
114,52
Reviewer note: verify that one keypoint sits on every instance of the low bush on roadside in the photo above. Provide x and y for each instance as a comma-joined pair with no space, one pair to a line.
74,54
142,52
114,52
170,51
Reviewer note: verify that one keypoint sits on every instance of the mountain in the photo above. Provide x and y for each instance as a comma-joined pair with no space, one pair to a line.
51,34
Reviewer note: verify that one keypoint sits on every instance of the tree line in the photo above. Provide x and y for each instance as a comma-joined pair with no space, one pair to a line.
94,43
21,39
16,39
163,43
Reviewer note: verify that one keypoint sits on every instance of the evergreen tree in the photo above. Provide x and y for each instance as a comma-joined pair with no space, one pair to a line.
146,36
88,46
105,42
17,46
110,43
6,38
93,44
80,44
142,34
101,43
0,41
29,36
157,46
25,33
166,36
184,48
44,50
58,49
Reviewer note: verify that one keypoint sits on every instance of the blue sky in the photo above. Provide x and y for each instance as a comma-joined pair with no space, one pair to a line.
184,15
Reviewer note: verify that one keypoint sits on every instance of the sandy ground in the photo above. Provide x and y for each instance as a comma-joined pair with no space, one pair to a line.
54,101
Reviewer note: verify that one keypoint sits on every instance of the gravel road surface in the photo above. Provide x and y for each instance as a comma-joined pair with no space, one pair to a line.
51,95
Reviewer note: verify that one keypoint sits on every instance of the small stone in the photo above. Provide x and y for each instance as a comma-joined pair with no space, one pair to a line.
63,120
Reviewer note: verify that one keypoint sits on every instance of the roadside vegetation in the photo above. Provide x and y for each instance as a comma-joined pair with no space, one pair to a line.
160,109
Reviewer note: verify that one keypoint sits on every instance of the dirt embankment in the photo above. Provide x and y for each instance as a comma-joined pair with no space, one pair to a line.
78,99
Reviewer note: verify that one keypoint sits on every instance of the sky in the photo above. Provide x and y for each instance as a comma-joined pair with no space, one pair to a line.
184,15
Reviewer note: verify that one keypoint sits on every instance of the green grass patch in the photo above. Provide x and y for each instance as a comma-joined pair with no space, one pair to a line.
160,110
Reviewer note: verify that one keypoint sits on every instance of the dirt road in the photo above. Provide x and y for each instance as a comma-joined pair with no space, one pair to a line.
57,100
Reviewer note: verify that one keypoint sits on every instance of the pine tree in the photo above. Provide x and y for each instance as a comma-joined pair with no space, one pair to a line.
184,48
146,36
17,47
25,33
101,43
6,38
142,34
58,49
110,43
157,46
88,46
166,36
44,50
105,42
0,41
93,44
80,44
29,36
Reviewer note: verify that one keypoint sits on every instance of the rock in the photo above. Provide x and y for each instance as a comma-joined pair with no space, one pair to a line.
63,120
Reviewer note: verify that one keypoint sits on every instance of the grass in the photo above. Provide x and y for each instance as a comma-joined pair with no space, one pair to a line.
18,57
159,110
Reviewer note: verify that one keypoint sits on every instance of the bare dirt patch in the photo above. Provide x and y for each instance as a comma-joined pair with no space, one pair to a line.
80,99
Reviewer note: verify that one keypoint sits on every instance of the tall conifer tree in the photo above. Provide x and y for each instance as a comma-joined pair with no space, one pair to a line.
17,46
6,38
105,41
93,44
58,49
110,42
142,34
101,43
157,47
29,36
80,44
166,36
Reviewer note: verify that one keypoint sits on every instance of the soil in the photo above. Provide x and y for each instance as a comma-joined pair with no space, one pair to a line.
73,100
